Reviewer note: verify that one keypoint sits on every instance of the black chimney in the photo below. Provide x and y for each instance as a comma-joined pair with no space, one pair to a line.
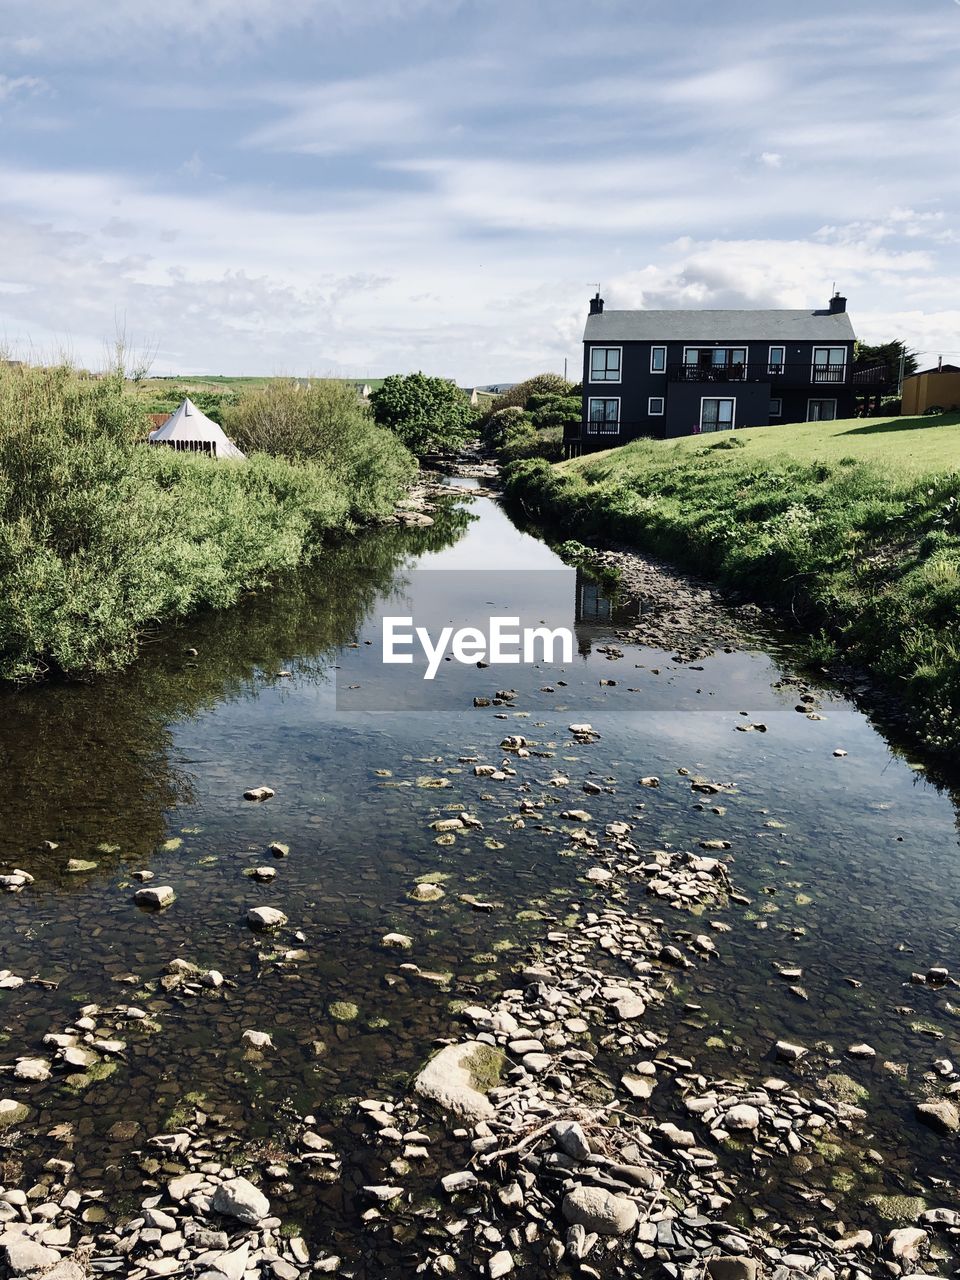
596,304
837,304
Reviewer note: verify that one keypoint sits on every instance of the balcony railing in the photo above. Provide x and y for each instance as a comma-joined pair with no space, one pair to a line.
801,373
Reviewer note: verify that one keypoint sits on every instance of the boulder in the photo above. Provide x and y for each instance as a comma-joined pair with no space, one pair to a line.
265,918
742,1117
240,1199
940,1115
155,897
571,1139
24,1256
729,1267
458,1077
600,1211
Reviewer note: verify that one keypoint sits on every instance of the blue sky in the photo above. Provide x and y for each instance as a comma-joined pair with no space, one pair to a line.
316,186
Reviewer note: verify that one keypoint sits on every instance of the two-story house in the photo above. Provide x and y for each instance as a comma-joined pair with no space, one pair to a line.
677,373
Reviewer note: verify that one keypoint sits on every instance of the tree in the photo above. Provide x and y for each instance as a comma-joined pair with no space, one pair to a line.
889,355
428,414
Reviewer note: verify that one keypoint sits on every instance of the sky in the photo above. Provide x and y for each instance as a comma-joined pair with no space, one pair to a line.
319,187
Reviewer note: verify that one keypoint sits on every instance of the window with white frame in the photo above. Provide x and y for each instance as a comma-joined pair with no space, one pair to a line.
776,408
655,406
776,359
658,359
829,364
716,414
605,364
603,416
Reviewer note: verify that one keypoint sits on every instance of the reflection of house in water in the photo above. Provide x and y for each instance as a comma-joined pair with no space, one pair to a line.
598,612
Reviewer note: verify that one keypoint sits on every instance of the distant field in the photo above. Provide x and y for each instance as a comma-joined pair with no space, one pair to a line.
224,383
924,445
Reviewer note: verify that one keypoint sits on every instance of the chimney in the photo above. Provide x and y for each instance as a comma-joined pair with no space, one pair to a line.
596,304
838,304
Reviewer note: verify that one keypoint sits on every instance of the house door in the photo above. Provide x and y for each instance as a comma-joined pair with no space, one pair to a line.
821,410
716,415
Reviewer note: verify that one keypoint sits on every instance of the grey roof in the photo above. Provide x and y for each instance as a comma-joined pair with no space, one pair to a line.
718,326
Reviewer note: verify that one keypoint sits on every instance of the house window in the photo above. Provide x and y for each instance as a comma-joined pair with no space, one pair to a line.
776,408
605,364
716,415
655,406
714,364
821,410
829,364
603,417
776,359
658,359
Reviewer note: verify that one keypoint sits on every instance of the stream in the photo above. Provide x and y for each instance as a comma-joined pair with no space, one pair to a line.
843,854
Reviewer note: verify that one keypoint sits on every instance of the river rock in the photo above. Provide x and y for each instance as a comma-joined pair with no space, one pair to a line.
789,1052
179,1188
32,1069
259,793
155,897
400,941
257,1039
458,1076
905,1243
501,1264
265,918
24,1256
733,1268
940,1115
601,1211
239,1198
426,892
571,1139
741,1117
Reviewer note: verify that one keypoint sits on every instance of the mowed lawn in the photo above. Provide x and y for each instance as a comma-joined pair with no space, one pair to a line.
904,446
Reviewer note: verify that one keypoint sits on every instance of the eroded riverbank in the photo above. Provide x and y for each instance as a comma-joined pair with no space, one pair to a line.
178,1088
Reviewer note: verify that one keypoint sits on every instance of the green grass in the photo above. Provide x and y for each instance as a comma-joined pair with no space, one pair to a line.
851,528
915,446
103,536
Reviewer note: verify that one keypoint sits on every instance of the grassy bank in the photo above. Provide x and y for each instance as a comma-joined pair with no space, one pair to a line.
850,528
102,536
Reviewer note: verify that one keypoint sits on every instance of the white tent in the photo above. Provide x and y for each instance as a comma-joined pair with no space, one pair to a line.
191,431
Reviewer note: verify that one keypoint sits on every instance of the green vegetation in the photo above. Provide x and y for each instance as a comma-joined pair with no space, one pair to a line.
851,528
325,423
101,536
528,420
214,394
429,415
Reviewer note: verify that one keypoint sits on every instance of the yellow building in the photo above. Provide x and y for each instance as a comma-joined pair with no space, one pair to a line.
931,389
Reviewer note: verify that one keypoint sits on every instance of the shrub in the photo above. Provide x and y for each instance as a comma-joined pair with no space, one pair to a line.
101,536
323,421
428,414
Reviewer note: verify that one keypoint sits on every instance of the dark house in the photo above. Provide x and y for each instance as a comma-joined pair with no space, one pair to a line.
678,373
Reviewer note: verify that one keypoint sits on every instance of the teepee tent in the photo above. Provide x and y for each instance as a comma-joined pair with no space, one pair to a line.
191,431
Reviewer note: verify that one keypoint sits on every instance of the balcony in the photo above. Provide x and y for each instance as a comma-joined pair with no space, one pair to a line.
802,373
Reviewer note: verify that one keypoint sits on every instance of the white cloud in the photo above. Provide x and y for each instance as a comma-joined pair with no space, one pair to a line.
11,86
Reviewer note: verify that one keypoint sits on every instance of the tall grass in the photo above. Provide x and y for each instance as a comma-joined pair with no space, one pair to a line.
844,547
102,536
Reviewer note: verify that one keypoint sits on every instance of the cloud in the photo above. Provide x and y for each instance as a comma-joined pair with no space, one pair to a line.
11,86
405,183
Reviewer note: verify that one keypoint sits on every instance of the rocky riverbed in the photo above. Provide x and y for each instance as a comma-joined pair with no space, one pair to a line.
544,989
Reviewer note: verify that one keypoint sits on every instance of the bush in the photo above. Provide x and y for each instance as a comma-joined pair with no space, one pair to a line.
102,536
324,421
429,415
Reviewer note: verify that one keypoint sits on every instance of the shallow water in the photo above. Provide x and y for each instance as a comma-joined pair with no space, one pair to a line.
850,863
